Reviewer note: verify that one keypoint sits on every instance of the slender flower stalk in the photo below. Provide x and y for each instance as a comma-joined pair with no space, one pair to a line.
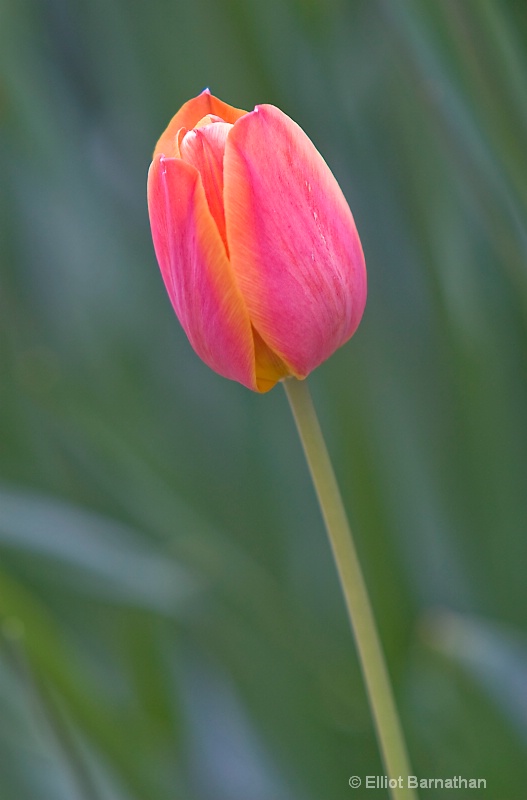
388,728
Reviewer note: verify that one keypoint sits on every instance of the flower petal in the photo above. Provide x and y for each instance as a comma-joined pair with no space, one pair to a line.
204,148
292,240
190,114
196,271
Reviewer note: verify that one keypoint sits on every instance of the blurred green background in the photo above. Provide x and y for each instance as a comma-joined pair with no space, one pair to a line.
171,623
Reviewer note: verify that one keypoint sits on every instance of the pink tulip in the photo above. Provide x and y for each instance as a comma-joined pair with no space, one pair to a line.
256,242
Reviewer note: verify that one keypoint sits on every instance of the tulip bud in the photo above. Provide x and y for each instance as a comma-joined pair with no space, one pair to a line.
255,240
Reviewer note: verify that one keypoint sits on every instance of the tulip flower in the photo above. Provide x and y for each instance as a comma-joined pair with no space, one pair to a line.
256,243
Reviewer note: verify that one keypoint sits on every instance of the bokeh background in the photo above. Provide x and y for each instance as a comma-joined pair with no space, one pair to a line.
171,623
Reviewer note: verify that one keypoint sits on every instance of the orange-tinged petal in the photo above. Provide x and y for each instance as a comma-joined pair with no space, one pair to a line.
190,114
292,240
204,147
197,272
269,366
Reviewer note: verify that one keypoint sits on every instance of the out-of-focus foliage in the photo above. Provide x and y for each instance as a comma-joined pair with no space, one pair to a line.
171,623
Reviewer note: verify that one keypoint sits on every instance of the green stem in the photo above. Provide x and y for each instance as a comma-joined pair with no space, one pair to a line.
384,712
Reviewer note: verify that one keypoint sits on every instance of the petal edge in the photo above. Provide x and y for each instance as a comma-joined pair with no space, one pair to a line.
196,271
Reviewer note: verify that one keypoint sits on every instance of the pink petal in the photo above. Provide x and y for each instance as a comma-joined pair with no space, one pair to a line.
196,271
292,240
204,148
